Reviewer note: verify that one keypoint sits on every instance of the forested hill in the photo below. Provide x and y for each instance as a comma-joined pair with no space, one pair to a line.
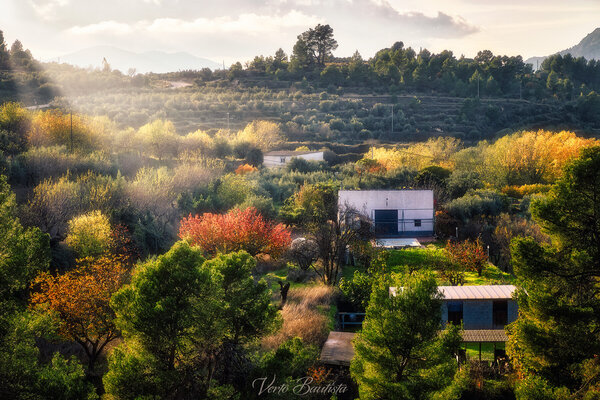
397,95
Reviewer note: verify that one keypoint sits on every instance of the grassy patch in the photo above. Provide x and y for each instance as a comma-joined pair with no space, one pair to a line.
307,314
487,350
280,274
491,275
413,258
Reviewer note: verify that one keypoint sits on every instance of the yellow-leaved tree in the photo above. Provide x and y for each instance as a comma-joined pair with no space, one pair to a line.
531,157
90,234
159,138
436,151
263,134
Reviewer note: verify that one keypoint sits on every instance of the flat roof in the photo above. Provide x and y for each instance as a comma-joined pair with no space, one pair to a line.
338,349
473,292
290,152
393,243
388,190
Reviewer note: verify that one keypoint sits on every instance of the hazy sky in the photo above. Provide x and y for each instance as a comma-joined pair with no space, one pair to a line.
232,30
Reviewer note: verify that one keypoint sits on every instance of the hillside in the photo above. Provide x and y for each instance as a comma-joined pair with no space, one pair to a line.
588,48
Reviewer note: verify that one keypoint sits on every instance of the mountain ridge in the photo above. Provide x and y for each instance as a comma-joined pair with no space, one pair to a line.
588,47
123,60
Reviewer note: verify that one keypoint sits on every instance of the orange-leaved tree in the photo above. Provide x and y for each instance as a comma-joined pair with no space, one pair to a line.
469,253
80,300
244,169
237,230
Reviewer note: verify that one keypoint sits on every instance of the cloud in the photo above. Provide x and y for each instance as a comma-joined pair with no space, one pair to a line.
249,24
104,27
47,9
442,25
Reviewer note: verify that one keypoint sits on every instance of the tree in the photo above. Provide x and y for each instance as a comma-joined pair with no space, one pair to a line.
400,353
170,319
244,169
246,311
315,46
554,343
303,252
263,135
237,230
23,376
4,55
254,157
14,124
80,300
25,252
314,209
105,65
89,234
469,253
159,137
183,318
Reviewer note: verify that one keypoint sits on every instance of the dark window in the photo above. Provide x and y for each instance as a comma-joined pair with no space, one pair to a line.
455,312
500,311
417,222
282,160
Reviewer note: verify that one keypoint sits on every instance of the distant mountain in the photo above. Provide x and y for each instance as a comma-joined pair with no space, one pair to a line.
151,61
589,48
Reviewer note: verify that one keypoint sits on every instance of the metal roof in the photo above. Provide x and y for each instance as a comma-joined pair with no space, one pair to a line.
484,335
473,292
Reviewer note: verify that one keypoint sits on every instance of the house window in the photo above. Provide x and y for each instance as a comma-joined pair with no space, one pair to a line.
417,222
500,312
455,312
282,160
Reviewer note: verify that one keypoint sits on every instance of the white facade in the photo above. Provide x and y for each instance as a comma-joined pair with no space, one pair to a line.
395,213
280,158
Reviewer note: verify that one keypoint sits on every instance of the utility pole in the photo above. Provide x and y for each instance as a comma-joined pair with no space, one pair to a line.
71,130
227,121
520,89
392,118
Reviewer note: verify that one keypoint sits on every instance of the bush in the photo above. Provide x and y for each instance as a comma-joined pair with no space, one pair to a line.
477,203
304,166
357,291
254,157
89,234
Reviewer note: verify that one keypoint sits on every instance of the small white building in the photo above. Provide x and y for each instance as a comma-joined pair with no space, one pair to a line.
281,157
395,213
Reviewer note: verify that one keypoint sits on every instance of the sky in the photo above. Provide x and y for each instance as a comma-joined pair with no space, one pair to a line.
237,30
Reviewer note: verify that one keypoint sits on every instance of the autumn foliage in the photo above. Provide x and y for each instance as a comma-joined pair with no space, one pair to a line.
80,300
237,230
469,253
245,169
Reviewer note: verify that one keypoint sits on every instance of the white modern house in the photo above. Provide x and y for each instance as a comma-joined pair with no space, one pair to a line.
395,213
281,157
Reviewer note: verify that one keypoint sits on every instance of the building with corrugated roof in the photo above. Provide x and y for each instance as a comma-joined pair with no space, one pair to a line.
483,310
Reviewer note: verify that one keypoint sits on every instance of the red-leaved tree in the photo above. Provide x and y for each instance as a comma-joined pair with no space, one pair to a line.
237,230
469,253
